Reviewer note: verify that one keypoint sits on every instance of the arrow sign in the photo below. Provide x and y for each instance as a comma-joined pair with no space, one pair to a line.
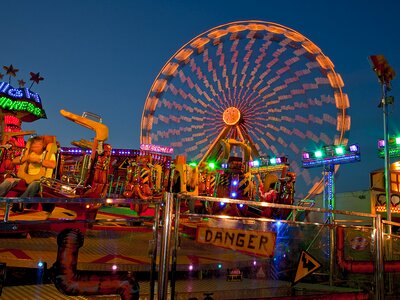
307,264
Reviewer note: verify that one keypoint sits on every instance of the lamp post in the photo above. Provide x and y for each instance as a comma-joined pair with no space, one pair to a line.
385,75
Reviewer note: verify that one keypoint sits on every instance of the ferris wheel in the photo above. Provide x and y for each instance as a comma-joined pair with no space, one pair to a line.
255,81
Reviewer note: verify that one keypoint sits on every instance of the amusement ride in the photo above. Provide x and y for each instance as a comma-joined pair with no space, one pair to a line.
247,111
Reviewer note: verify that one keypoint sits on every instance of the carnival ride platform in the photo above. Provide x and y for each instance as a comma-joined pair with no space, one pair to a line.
119,238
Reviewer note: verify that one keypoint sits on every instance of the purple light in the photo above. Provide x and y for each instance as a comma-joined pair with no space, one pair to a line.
278,160
381,144
190,267
353,148
114,267
306,155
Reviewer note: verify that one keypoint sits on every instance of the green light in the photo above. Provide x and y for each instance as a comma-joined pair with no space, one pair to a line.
398,141
339,150
211,165
318,154
24,106
193,164
273,161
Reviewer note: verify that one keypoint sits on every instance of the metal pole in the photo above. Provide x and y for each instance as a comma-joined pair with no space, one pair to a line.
165,248
379,267
175,249
331,253
387,158
154,249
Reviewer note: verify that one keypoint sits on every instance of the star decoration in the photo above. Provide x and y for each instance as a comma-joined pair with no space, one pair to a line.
21,83
35,77
10,70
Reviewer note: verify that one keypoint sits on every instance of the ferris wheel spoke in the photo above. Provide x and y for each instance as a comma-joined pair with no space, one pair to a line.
275,85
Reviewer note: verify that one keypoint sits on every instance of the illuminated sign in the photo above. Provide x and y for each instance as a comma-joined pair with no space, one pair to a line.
18,94
254,242
21,100
156,148
8,104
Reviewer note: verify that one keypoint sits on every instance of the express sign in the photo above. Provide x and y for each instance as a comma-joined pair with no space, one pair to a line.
21,100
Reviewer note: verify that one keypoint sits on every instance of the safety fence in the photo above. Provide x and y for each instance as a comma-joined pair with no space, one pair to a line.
176,253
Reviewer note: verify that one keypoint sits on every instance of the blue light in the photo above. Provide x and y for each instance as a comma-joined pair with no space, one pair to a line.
222,204
235,183
241,205
233,195
40,264
219,266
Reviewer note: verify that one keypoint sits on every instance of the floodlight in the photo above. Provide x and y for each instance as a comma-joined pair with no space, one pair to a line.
318,154
339,150
354,148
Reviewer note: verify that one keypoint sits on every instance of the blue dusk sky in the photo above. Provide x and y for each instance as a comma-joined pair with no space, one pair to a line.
102,56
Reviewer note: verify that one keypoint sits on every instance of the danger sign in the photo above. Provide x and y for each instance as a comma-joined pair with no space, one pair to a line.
255,242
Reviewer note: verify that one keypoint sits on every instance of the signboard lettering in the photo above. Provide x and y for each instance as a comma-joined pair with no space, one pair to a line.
255,242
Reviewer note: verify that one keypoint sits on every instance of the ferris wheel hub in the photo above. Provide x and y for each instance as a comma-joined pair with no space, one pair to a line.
231,116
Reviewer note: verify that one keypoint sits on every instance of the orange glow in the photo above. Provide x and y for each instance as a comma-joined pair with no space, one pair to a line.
311,47
275,29
159,86
254,26
396,166
295,36
200,42
236,28
382,208
324,62
216,34
343,141
335,80
342,100
184,54
343,124
170,69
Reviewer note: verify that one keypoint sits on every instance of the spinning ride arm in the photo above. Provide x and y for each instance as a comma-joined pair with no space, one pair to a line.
100,129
